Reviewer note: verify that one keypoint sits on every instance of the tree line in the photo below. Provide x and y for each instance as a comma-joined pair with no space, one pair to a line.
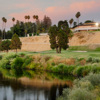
23,28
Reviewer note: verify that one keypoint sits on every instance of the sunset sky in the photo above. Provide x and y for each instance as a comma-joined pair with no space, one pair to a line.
55,9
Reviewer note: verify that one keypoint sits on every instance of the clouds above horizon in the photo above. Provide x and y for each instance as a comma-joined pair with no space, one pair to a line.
55,9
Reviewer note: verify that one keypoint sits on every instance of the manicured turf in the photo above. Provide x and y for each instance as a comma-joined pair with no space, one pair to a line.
68,54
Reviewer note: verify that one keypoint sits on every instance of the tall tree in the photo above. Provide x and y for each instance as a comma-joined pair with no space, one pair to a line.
13,19
15,42
34,17
3,19
71,21
53,35
28,17
59,36
46,23
78,14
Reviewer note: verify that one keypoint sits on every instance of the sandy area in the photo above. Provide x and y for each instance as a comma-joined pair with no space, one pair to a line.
41,43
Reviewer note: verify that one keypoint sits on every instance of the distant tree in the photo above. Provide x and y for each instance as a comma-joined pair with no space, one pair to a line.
9,34
75,24
28,17
3,18
59,36
46,23
0,33
88,21
71,21
15,42
36,17
5,21
78,14
13,19
5,45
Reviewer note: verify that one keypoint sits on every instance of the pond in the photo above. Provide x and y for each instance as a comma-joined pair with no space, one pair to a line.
32,85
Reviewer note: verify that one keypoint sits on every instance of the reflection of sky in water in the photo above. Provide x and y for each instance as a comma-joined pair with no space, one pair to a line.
6,93
29,93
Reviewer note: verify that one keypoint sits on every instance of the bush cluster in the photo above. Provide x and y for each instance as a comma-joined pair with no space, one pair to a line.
87,88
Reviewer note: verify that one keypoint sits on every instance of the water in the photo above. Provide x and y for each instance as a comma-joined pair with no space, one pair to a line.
29,85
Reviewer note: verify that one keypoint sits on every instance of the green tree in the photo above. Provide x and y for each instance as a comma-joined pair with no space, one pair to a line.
13,19
53,35
15,42
5,45
46,23
78,14
88,21
5,21
71,21
59,36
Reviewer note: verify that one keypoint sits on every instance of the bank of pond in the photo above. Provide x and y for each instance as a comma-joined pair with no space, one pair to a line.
81,76
70,66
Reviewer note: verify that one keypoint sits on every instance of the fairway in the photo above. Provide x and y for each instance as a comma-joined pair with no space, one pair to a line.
67,54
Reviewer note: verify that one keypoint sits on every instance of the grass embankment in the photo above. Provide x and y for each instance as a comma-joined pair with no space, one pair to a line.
72,63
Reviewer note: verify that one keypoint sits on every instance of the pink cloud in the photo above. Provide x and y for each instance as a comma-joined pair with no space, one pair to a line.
57,13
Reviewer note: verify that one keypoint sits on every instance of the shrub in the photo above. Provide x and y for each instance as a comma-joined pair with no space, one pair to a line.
94,79
80,94
17,63
89,59
93,60
22,54
0,57
6,60
26,62
4,63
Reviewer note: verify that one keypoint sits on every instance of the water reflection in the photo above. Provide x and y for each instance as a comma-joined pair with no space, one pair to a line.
30,85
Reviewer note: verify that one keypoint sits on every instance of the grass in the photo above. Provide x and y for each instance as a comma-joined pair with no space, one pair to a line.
64,54
67,54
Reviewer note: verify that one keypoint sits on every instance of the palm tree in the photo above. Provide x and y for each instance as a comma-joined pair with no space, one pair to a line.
36,17
71,21
78,14
5,21
3,18
13,19
28,17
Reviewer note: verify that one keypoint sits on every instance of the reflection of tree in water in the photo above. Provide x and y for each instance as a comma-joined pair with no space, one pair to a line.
27,92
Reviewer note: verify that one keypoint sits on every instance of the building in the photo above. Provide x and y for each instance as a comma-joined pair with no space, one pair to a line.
92,26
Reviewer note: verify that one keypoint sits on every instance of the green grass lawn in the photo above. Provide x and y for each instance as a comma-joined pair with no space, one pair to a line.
67,54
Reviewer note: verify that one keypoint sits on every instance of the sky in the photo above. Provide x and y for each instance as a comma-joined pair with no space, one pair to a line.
55,9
